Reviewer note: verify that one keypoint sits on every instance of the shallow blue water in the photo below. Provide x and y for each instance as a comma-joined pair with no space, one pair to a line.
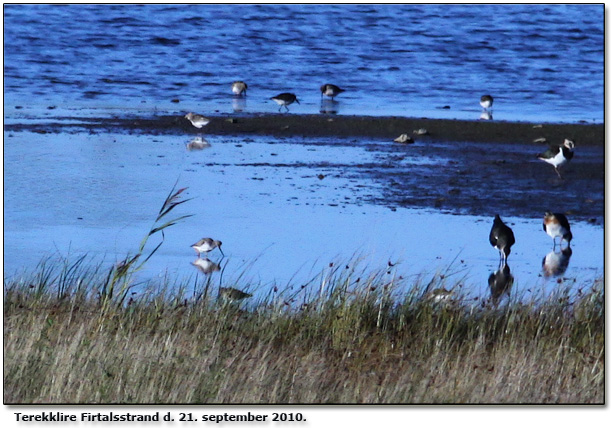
540,62
280,224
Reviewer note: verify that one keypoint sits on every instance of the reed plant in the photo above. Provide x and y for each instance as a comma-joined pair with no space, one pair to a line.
119,280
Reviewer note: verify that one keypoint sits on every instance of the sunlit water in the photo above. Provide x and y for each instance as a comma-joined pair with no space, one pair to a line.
280,223
541,62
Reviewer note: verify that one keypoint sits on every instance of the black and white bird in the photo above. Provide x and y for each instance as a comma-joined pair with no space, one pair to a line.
558,155
486,101
330,90
557,225
284,99
239,88
501,237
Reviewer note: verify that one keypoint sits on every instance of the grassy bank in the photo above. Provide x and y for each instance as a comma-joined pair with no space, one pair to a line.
354,342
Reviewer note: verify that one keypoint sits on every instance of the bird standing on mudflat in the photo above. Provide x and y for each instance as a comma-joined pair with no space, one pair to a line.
330,90
206,245
501,237
558,155
284,99
557,225
197,120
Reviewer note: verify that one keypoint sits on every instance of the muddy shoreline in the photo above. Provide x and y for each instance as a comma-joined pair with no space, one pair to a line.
331,125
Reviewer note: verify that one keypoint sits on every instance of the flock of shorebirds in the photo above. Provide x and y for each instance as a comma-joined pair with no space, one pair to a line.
556,225
557,155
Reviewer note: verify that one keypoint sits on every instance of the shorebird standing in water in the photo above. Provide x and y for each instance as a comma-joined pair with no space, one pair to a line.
557,225
239,88
285,99
205,245
197,120
486,102
330,90
501,237
558,155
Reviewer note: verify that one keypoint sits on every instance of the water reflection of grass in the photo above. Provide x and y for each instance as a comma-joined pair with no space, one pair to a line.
351,341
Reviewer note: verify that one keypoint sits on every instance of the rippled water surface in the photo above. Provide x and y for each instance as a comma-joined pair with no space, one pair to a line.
285,208
541,62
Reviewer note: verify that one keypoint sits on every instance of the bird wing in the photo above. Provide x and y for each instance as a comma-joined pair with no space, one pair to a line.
493,239
564,222
549,153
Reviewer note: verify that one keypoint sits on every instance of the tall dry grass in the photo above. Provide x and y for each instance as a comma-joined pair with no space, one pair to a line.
352,343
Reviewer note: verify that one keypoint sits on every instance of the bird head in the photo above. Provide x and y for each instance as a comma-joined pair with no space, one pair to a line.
218,244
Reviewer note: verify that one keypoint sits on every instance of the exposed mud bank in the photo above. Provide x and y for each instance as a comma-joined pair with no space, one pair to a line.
338,126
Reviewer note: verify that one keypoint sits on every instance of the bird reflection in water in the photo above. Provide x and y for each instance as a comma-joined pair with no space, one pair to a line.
486,115
238,104
329,106
500,283
198,143
205,265
555,263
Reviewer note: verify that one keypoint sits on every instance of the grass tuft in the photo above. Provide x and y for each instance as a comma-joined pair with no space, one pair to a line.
350,342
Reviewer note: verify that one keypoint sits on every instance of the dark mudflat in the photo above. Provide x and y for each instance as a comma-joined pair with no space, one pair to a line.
337,126
486,179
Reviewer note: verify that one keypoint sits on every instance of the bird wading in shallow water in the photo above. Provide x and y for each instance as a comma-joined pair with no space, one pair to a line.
330,90
501,237
486,101
285,99
557,225
197,120
205,245
558,155
239,88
